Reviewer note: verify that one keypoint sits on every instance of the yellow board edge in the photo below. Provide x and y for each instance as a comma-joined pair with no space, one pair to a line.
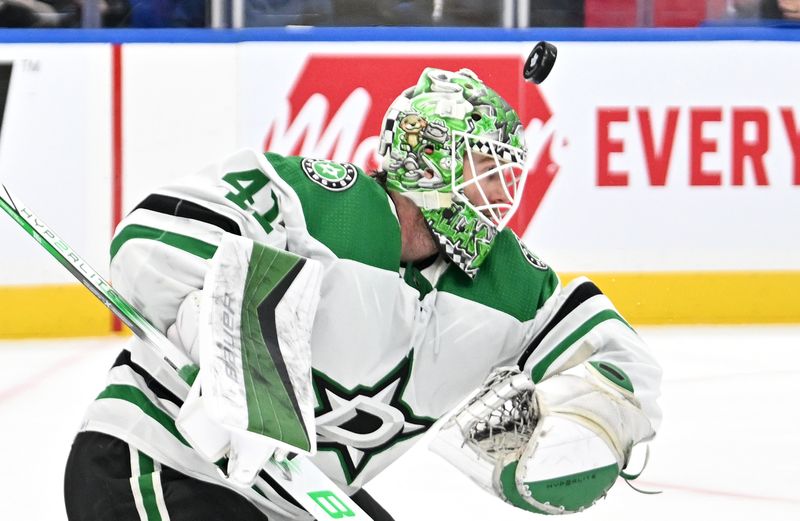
686,298
664,298
51,311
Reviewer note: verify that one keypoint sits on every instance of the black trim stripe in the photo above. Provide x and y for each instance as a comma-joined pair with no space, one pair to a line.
370,506
5,83
581,294
154,385
182,208
269,330
279,489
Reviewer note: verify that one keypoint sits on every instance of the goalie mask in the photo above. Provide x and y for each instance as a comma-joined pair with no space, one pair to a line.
455,147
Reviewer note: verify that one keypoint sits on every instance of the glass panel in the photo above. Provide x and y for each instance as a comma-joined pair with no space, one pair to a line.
752,10
344,13
556,13
40,14
159,13
111,13
263,13
513,13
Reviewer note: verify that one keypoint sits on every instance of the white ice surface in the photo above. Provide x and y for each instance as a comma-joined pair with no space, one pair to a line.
729,447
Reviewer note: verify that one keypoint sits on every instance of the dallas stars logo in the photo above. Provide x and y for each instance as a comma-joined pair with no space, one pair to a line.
532,259
359,423
329,175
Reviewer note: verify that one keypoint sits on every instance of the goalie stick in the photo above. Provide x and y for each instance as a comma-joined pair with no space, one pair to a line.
302,479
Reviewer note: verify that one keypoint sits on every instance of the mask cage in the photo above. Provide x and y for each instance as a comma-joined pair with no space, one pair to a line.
499,188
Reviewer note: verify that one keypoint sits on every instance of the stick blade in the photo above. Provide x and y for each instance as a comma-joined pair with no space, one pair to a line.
315,491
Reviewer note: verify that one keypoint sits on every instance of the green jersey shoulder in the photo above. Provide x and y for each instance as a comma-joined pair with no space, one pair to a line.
512,279
343,208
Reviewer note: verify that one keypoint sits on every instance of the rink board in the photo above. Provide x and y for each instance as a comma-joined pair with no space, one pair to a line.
666,164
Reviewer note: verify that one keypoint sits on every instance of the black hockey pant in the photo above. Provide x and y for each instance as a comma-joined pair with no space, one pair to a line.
103,482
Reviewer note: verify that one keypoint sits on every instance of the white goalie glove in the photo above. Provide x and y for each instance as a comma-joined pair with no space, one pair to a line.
553,448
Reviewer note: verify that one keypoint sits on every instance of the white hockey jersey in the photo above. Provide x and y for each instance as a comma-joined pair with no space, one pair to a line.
394,347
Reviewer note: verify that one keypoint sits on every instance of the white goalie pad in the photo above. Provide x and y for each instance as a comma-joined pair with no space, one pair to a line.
553,449
253,395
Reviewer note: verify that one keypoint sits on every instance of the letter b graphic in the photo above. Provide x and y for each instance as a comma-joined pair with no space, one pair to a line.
331,504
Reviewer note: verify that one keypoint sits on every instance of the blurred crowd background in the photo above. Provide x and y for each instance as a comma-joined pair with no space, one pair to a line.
464,13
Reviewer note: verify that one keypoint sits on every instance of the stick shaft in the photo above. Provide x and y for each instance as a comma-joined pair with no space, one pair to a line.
94,282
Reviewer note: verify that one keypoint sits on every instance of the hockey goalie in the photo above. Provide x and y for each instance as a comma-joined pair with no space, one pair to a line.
413,294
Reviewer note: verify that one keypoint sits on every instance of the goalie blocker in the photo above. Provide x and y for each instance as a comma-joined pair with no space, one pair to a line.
252,402
253,393
552,448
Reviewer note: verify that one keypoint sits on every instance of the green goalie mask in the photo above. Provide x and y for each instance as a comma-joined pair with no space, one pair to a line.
447,120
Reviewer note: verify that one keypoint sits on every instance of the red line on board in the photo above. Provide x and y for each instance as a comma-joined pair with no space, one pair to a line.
116,150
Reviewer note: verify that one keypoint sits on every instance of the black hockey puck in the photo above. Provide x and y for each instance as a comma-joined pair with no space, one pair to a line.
540,62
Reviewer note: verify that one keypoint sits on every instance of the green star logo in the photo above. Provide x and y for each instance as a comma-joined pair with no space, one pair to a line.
356,424
330,175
